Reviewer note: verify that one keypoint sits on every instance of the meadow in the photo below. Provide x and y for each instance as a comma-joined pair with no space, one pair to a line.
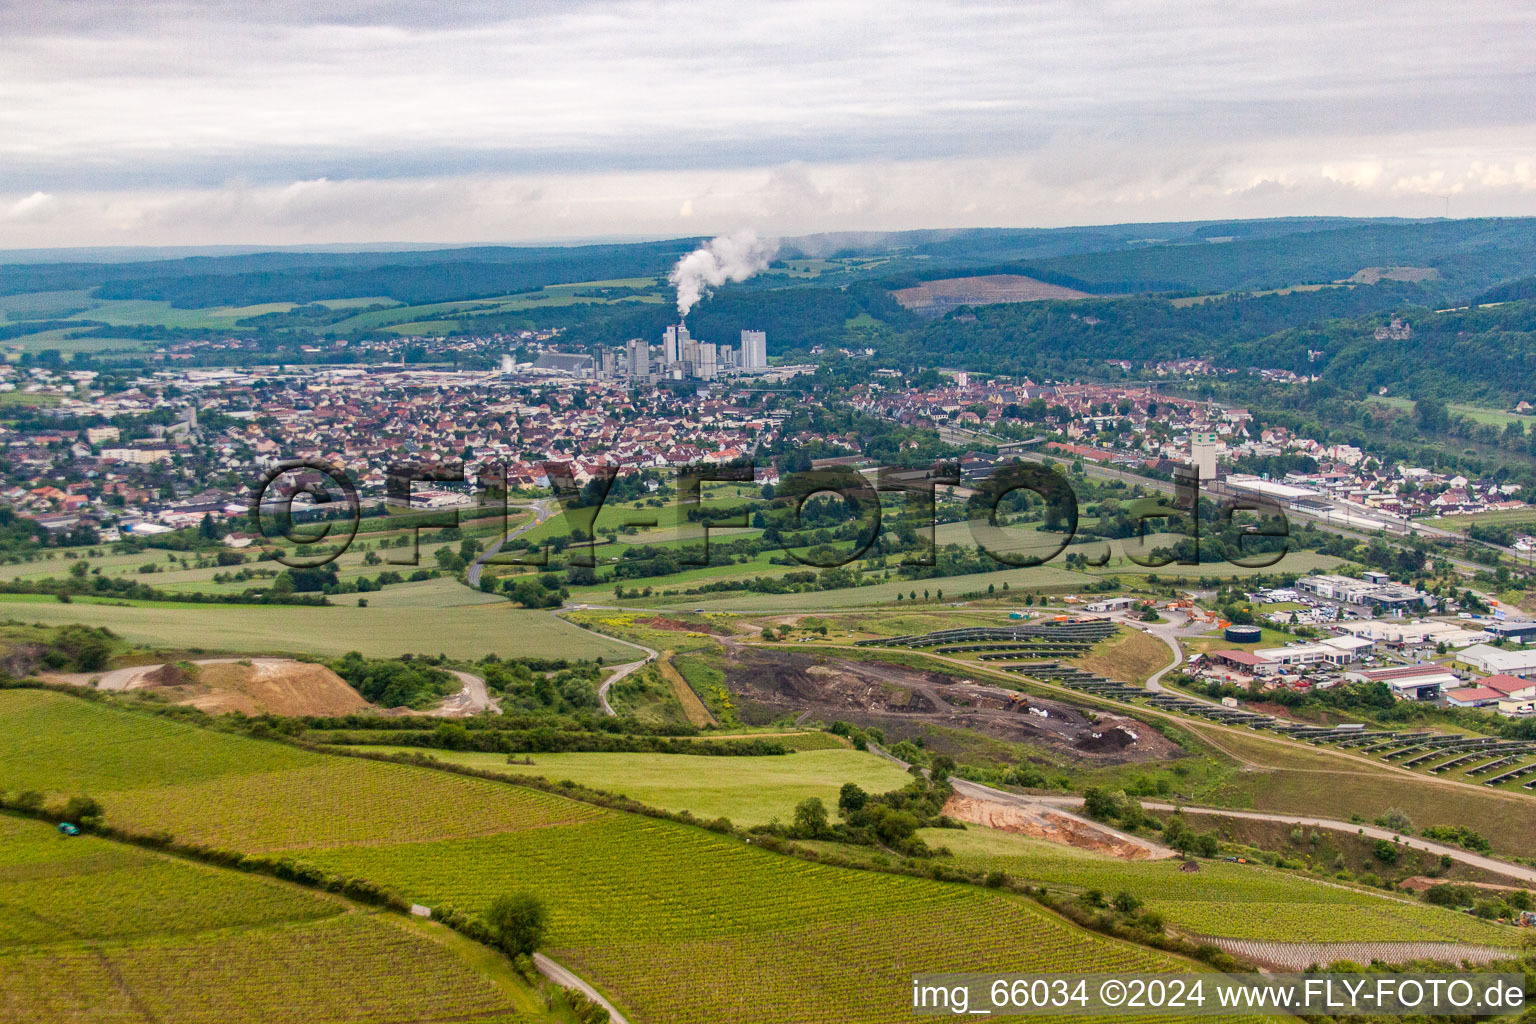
747,790
96,931
673,923
390,629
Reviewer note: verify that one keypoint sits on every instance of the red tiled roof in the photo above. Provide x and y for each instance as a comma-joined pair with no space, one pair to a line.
1239,657
1505,684
1471,693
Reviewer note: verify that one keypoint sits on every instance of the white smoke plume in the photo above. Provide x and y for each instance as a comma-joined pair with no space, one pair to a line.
733,257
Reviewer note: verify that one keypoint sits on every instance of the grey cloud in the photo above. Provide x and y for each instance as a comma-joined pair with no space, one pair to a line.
792,111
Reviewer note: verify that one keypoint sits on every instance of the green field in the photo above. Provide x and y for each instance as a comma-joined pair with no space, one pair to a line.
1475,413
675,924
747,790
1523,517
1242,901
467,632
99,932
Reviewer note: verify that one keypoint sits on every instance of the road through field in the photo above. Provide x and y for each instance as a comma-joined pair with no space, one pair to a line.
542,510
1033,804
566,979
1372,831
620,673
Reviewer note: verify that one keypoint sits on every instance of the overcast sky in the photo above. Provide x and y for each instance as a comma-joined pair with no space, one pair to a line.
134,122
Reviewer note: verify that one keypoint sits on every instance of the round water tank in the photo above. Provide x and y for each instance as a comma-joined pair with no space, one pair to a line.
1243,634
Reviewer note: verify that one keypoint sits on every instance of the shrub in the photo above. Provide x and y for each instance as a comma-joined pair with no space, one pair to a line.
83,810
517,923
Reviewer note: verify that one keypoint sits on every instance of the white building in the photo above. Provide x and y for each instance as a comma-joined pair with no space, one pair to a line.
1111,604
754,350
639,358
1203,446
1498,661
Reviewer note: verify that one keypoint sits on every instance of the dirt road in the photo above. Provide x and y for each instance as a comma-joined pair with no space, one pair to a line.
473,698
566,979
1051,822
1058,825
1371,831
123,678
622,671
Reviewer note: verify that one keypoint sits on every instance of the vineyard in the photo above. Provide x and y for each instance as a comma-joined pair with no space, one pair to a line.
1245,901
678,925
336,802
94,931
54,742
673,923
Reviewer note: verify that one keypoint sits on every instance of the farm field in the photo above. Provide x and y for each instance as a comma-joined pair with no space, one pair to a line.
747,790
1519,517
1475,413
675,924
97,931
466,632
178,572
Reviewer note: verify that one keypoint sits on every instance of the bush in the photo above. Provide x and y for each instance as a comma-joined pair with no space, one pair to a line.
517,923
83,810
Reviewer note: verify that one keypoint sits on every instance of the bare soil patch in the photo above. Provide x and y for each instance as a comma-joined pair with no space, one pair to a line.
939,297
904,702
1371,275
1042,824
679,626
253,687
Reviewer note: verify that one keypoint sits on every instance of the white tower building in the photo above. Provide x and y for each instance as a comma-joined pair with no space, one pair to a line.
754,350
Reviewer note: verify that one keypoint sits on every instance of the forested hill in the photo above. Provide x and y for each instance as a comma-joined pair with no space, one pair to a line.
1303,294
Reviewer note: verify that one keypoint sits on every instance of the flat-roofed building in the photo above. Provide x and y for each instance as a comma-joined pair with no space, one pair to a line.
1497,660
1411,682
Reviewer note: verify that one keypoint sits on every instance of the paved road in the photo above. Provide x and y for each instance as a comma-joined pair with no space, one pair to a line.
567,979
623,670
1372,831
542,510
472,699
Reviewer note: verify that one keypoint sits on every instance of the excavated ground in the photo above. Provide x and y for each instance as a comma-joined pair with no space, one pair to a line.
904,702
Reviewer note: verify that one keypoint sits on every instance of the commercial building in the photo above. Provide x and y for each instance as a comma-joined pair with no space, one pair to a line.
1411,682
1111,604
1497,660
1367,593
1472,697
1518,630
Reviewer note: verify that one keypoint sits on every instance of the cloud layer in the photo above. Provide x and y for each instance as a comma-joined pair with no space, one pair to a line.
165,122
